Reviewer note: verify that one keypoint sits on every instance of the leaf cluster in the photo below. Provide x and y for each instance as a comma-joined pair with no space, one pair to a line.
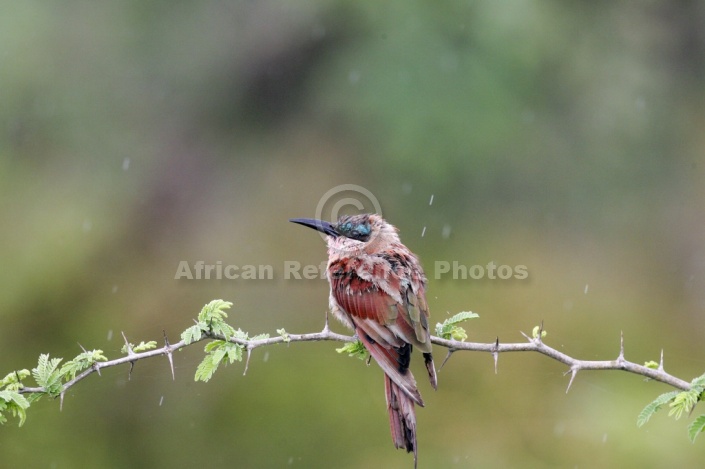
680,403
141,347
11,401
450,330
48,376
211,323
354,349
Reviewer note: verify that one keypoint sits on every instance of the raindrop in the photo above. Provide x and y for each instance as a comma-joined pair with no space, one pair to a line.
110,334
87,225
423,232
586,288
430,202
161,400
126,163
265,358
115,288
445,233
406,188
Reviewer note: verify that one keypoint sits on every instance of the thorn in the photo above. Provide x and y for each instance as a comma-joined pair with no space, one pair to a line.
527,337
495,354
247,362
127,345
325,326
129,373
540,332
573,373
96,367
621,347
61,401
450,352
169,355
660,365
84,350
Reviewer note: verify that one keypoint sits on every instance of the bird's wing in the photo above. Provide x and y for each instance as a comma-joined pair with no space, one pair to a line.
416,314
385,326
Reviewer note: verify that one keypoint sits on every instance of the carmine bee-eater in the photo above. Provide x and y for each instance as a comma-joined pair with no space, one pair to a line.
377,289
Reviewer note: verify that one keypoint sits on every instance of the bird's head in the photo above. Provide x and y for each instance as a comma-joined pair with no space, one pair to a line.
367,232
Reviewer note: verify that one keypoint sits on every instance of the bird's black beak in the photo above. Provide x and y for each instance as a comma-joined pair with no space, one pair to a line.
318,225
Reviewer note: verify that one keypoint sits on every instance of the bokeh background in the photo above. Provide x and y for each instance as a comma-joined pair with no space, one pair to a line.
563,136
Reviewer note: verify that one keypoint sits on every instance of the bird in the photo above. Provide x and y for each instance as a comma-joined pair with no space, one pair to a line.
378,290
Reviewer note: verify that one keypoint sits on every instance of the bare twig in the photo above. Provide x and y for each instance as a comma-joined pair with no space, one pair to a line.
575,365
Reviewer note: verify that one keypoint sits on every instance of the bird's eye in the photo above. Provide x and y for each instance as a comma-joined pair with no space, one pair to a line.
361,232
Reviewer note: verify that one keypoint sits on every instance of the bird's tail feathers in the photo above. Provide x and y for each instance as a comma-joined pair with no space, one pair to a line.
431,368
402,417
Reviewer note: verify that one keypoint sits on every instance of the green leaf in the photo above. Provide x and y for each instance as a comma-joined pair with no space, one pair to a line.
211,320
450,329
354,349
284,335
260,337
13,381
684,402
214,311
141,347
699,381
47,374
652,364
217,352
240,334
458,333
192,334
461,317
223,329
535,332
655,405
14,402
697,426
80,363
205,370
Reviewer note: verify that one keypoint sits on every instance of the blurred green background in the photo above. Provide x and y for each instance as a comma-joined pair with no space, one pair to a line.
563,136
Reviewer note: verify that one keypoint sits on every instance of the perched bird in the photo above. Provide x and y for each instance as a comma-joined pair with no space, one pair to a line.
377,288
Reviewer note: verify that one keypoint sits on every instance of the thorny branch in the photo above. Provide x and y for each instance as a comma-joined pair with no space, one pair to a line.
533,344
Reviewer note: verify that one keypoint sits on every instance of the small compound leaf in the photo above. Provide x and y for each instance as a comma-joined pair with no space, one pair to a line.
655,405
697,426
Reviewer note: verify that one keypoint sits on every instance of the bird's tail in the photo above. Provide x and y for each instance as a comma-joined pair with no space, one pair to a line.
431,368
402,417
